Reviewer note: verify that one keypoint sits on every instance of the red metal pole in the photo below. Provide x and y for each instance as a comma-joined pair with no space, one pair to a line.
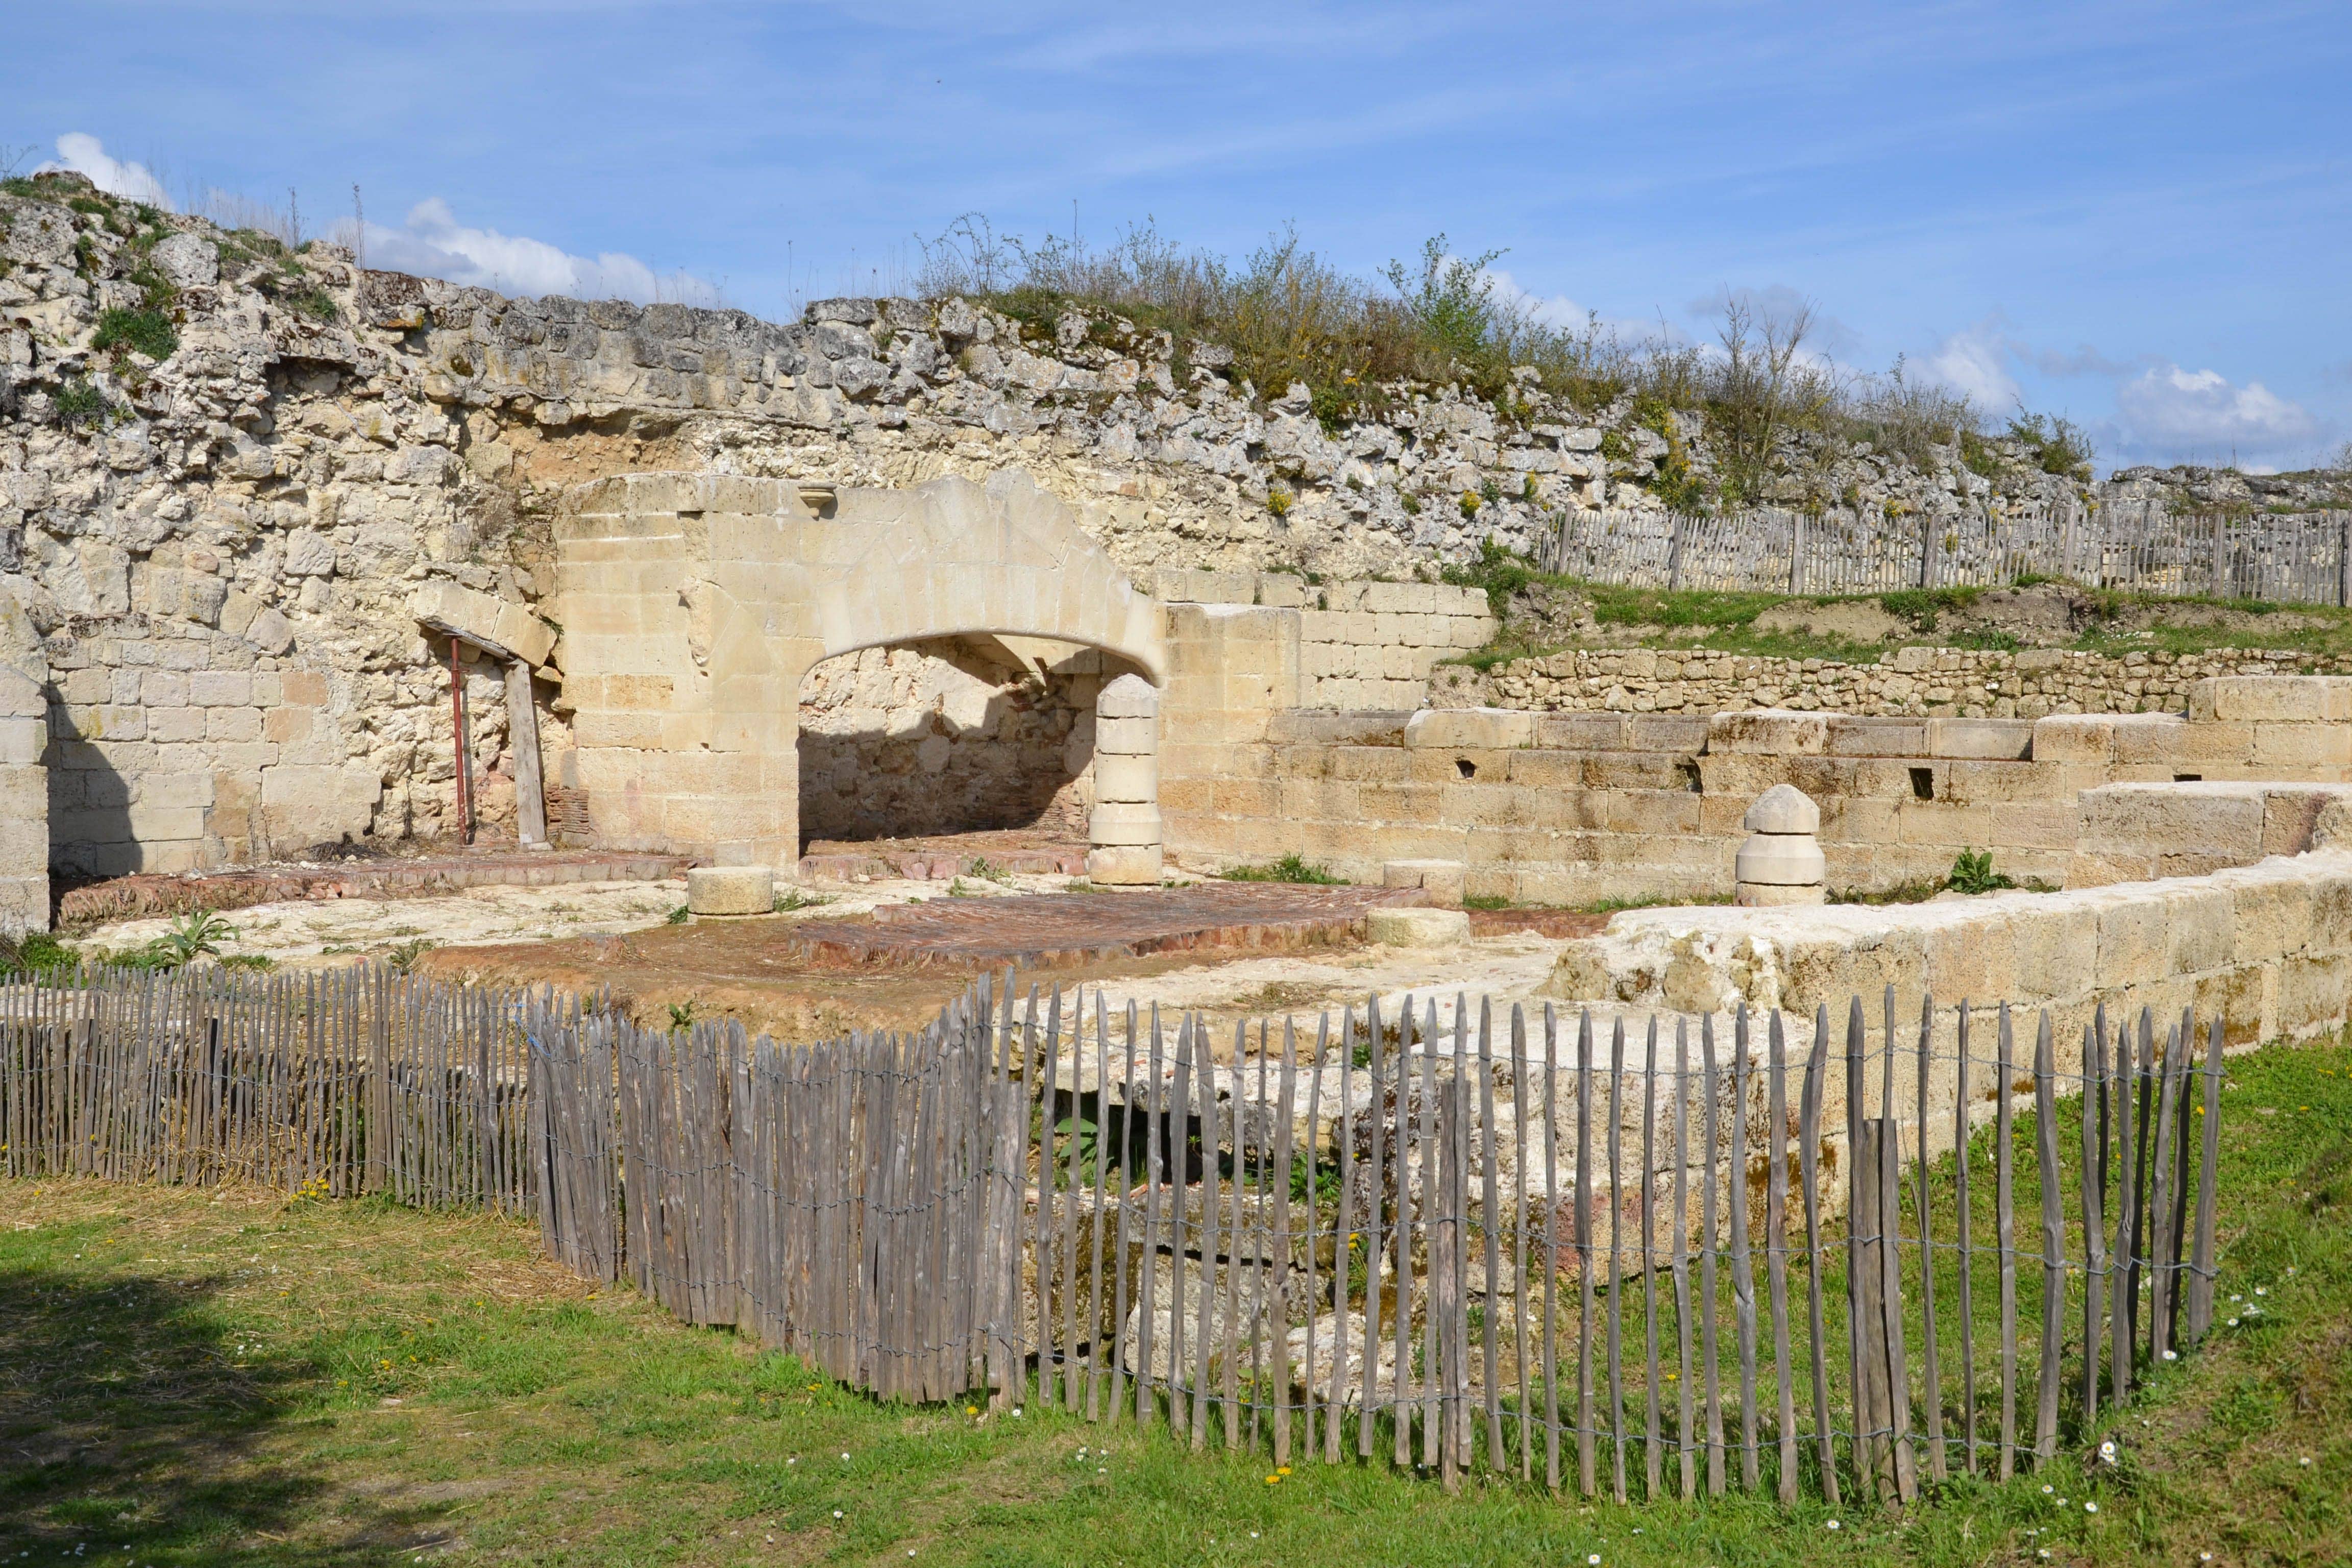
464,752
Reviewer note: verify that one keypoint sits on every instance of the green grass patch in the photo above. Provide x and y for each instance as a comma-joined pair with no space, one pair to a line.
1290,867
206,1376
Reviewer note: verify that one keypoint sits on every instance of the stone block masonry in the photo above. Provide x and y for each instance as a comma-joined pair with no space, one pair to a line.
1574,808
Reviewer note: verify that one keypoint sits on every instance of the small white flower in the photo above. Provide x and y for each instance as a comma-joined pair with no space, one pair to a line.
1833,1524
1594,1560
836,1513
2062,1502
2262,1289
1016,1412
2172,1355
2304,1461
2090,1507
2233,1322
2047,1491
844,1458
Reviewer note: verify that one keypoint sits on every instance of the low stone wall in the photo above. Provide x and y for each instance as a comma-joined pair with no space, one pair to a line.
1575,808
2267,947
1918,682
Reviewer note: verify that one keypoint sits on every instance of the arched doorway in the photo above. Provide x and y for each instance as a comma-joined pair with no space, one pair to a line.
914,741
694,607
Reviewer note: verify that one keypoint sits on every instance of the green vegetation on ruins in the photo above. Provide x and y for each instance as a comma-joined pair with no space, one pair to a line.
1290,867
1285,315
200,1375
2104,620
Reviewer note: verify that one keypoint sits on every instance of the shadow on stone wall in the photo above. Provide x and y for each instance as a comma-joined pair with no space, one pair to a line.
92,832
944,736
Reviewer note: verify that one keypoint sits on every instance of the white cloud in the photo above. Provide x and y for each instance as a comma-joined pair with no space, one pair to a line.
1552,310
86,154
2201,414
1827,339
1975,363
432,243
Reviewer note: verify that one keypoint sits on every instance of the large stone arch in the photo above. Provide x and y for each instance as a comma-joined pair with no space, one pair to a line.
692,605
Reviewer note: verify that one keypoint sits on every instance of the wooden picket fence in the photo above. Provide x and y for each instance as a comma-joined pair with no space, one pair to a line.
1527,1243
2296,558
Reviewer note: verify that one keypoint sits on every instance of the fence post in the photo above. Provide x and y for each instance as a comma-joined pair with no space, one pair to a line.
1675,554
2344,558
1928,562
2220,556
1797,552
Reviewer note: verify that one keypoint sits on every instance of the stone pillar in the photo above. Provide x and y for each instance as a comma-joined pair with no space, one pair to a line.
1124,832
24,779
1781,861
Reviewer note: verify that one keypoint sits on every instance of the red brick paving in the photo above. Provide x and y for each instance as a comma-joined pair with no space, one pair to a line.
1061,930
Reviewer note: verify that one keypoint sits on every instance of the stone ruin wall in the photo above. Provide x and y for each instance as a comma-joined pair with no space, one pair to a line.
1909,682
1575,808
218,564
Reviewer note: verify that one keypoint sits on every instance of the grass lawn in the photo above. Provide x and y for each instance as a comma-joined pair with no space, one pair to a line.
195,1377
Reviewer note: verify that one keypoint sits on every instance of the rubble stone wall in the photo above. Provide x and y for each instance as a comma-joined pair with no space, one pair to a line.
1918,681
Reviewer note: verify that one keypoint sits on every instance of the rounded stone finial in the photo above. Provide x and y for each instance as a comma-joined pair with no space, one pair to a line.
1783,808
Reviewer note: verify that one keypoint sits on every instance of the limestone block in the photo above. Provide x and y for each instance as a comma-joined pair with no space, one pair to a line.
1418,927
1121,822
1126,864
730,890
1127,697
1127,778
1479,729
1769,731
2300,746
1127,737
504,628
1850,736
2074,738
1784,809
1769,895
1584,732
1989,740
2290,698
1667,732
1442,879
1782,860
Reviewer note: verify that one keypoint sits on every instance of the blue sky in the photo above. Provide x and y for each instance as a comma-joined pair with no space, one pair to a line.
2137,214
